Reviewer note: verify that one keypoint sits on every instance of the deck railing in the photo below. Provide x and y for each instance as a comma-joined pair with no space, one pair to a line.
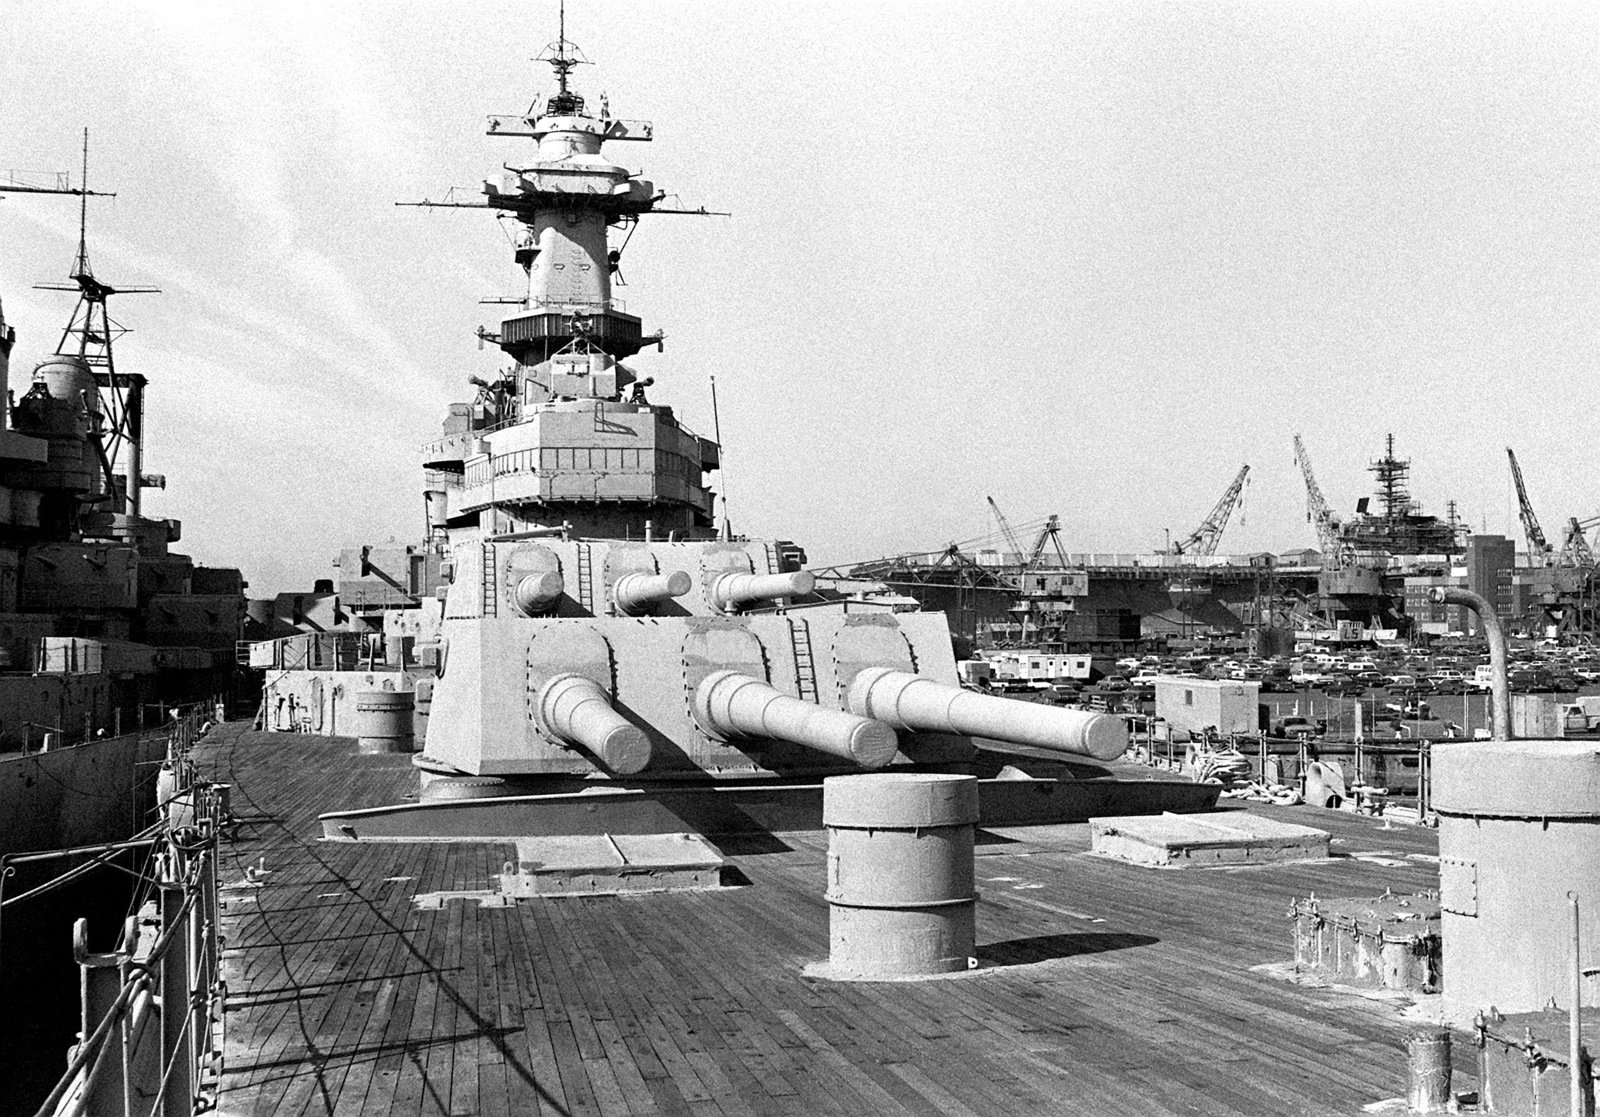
151,1038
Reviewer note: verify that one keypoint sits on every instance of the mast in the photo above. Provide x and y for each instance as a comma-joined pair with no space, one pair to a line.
574,445
8,335
89,335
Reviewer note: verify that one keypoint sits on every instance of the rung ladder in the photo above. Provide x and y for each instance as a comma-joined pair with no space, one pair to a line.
585,580
805,669
491,599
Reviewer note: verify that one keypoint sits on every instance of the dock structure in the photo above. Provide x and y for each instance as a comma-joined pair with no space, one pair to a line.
1104,989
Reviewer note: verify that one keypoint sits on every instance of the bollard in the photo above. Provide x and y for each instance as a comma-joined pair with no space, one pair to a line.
900,892
1428,1057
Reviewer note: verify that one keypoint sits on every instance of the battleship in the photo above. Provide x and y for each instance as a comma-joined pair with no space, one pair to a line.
596,844
114,647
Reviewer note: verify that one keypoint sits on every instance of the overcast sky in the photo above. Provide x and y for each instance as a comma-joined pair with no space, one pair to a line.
1088,258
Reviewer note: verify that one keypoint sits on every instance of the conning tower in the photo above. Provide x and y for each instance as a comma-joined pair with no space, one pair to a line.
567,436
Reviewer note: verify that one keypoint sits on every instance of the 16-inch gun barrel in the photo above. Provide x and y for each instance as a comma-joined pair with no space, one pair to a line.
908,701
578,710
536,594
733,591
733,704
640,593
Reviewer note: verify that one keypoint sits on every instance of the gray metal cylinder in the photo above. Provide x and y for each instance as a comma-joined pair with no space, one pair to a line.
913,702
639,593
578,710
1518,822
383,721
537,594
733,591
1428,1058
733,704
901,893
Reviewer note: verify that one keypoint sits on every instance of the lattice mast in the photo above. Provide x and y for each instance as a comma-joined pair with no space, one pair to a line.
89,336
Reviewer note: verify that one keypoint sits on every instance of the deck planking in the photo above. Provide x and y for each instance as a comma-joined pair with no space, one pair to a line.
1108,988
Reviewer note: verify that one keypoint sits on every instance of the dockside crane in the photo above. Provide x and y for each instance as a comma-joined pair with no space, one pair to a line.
1335,554
1540,553
1202,541
1005,529
1049,534
1576,554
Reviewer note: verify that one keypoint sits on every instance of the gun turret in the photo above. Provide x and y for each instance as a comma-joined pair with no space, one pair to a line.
538,593
731,592
912,702
578,710
733,704
639,594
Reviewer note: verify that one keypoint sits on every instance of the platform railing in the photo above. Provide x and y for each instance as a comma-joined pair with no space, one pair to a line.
152,1008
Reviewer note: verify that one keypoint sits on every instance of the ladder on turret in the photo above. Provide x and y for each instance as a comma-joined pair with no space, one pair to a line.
805,669
585,580
772,556
491,600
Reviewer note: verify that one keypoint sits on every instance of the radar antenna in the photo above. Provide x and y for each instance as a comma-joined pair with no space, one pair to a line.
563,56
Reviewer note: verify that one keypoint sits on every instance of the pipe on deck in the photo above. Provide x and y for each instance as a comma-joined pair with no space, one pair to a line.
730,703
919,704
578,710
1499,672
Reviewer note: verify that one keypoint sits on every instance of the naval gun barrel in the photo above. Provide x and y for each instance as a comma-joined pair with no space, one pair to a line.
731,703
733,591
640,593
536,594
908,701
578,710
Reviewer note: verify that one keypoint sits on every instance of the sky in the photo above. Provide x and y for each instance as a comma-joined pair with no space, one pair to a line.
1083,258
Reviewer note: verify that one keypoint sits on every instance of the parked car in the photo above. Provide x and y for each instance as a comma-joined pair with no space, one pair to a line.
1294,725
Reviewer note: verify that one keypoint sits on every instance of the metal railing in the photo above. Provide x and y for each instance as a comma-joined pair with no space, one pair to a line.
152,1013
1387,763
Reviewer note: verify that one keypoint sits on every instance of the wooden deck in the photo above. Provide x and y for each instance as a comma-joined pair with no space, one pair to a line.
1109,989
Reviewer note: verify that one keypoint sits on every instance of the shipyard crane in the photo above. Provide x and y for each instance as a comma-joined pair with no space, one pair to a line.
1202,541
1005,528
1539,550
1049,534
1576,553
1334,552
